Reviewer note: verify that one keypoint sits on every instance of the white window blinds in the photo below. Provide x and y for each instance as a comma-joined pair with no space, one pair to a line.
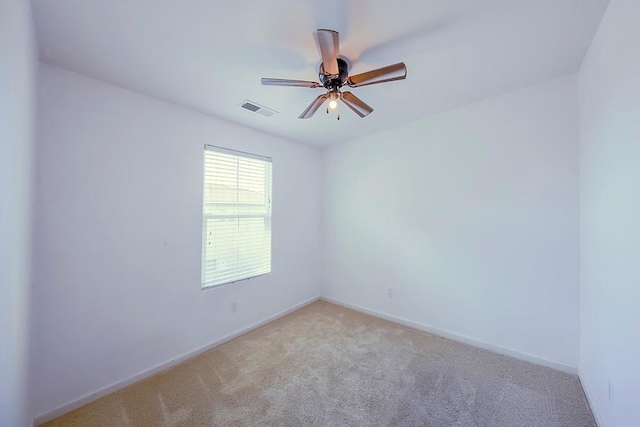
236,226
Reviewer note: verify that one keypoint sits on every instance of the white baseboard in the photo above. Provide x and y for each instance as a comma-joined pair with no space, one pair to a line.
461,338
83,400
587,391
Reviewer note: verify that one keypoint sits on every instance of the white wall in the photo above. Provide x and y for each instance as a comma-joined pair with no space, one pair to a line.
17,104
471,216
117,278
610,216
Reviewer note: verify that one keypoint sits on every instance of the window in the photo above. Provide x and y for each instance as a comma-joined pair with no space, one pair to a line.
236,227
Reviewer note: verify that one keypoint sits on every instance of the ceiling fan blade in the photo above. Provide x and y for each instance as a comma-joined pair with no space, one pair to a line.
287,82
356,104
328,43
381,75
313,107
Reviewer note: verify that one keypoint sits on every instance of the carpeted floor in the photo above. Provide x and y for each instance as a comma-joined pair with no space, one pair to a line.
327,365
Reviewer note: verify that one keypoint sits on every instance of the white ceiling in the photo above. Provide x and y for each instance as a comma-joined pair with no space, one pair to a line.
209,55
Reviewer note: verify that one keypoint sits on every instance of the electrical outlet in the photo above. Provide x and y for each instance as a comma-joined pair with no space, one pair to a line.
611,390
390,292
234,307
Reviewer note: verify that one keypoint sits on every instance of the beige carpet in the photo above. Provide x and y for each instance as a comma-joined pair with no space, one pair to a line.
326,365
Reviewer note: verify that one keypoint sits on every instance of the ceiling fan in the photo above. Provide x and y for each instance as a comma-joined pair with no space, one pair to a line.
334,74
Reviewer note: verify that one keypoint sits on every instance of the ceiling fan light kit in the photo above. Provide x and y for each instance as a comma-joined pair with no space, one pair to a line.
334,74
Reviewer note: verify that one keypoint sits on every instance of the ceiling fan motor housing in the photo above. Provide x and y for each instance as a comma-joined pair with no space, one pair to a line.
331,82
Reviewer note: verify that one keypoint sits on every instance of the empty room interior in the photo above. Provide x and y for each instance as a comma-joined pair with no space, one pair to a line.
297,213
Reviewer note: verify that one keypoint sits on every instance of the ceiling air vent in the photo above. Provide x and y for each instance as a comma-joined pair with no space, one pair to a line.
257,108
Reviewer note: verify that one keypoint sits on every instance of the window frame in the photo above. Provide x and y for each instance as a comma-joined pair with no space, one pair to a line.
267,216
